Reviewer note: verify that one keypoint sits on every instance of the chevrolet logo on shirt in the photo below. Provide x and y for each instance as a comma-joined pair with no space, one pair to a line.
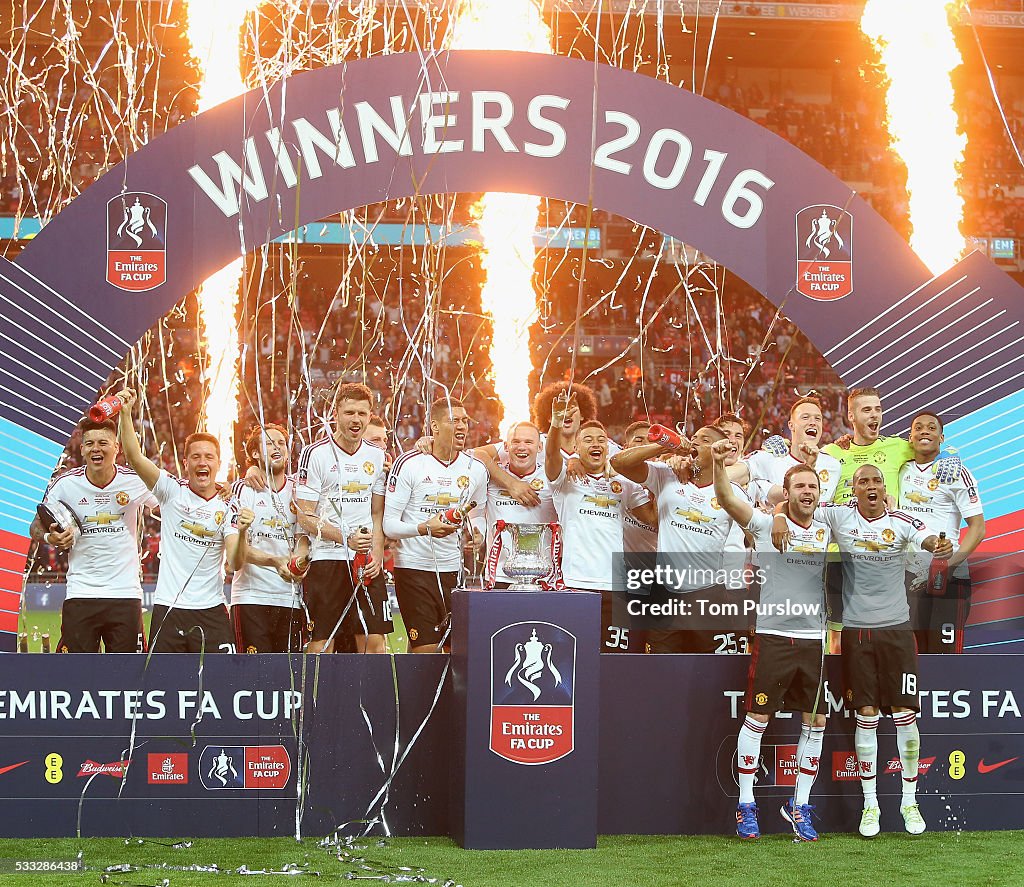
918,498
805,549
103,518
868,545
275,523
443,499
198,530
601,501
354,487
693,516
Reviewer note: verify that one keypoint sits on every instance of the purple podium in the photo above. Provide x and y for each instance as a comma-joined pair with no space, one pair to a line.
525,679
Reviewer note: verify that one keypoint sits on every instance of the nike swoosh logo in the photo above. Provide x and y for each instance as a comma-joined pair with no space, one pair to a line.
982,766
23,763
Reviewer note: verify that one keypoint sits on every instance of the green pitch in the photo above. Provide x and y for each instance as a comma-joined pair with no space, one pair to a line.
968,859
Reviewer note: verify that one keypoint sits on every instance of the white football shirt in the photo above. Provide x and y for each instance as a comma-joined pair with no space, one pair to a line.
792,601
940,507
192,535
874,586
501,506
591,511
638,536
272,532
421,485
104,562
342,485
767,470
691,524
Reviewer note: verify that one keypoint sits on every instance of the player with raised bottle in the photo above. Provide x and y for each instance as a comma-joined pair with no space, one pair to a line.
103,603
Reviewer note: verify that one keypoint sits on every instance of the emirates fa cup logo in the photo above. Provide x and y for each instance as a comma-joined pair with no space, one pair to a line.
136,241
824,252
532,708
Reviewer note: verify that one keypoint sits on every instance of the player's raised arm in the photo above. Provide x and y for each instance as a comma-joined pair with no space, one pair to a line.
147,470
632,462
560,406
738,509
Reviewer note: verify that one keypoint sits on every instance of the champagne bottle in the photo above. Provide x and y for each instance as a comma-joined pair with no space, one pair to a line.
938,573
455,515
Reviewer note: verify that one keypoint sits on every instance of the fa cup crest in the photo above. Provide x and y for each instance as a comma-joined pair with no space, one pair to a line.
530,665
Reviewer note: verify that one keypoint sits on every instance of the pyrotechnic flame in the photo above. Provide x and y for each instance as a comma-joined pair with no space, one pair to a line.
918,54
214,33
507,222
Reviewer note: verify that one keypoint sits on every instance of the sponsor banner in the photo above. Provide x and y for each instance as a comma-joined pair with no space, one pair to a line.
844,766
533,667
895,765
786,765
167,769
246,767
129,706
116,769
531,734
661,769
7,768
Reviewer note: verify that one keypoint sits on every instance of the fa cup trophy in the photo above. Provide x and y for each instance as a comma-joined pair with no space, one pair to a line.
529,560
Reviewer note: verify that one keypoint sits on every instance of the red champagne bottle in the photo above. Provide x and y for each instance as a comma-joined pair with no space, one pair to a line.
298,565
358,565
105,408
455,515
666,437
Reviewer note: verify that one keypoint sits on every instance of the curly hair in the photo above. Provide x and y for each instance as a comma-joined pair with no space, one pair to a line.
542,403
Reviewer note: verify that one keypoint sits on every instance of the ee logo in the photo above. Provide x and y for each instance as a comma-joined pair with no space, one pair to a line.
957,759
54,773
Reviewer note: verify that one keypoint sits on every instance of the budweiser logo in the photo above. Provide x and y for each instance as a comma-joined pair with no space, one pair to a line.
923,766
116,769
